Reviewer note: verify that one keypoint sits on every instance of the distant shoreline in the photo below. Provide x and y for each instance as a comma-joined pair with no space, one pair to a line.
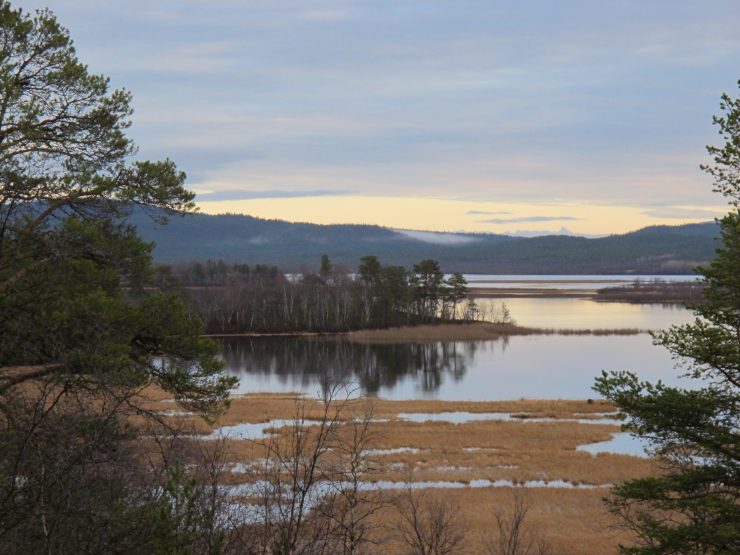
517,293
679,293
473,331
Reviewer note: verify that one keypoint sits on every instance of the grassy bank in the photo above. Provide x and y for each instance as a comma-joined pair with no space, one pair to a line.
656,291
475,331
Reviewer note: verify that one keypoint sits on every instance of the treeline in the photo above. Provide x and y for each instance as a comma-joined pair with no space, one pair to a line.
236,298
656,290
665,250
218,272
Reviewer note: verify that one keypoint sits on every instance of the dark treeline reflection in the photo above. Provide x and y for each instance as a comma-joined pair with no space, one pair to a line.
308,360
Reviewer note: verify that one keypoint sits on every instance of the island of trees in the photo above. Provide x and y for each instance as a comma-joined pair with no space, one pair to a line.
237,298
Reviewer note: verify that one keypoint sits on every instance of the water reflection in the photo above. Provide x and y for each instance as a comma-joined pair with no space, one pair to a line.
303,362
545,367
587,314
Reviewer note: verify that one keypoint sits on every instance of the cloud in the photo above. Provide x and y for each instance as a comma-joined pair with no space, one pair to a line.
487,213
527,219
599,102
437,238
679,213
250,195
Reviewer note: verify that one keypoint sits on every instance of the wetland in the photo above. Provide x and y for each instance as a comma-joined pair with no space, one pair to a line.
469,411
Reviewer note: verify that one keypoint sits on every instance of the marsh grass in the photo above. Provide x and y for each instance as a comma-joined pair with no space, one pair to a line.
477,331
259,408
519,450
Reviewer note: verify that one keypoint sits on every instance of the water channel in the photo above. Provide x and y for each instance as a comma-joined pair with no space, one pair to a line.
538,366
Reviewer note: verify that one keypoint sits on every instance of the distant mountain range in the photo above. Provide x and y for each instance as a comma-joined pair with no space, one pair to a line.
239,238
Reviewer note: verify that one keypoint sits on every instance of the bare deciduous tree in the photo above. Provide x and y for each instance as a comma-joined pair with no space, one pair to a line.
515,536
293,477
429,524
350,506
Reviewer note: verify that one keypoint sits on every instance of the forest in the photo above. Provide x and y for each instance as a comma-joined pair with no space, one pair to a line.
666,250
237,298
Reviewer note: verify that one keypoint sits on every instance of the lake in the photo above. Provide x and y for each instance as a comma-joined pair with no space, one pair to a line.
571,283
544,367
574,313
540,366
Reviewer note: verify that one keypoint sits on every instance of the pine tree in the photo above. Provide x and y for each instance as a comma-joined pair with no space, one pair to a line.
693,504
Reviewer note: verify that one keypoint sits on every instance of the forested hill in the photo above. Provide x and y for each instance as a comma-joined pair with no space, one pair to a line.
238,238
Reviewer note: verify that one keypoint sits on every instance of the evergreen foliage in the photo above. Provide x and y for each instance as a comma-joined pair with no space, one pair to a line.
693,504
233,298
75,281
84,325
241,238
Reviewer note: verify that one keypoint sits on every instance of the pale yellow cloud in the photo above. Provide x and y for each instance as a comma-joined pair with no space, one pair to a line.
453,215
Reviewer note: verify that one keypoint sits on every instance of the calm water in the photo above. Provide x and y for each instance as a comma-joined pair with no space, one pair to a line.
586,314
547,367
544,367
580,283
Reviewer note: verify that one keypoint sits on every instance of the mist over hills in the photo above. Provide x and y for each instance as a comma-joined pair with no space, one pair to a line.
239,238
563,231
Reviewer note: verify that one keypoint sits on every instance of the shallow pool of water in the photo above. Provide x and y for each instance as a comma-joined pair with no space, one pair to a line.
468,417
620,444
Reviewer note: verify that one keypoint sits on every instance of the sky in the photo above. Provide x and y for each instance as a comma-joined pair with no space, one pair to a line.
438,115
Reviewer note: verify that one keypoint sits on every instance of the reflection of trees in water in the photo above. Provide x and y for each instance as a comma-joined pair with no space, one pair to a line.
371,366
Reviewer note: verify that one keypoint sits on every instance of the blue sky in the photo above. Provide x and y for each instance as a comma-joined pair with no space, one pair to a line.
415,113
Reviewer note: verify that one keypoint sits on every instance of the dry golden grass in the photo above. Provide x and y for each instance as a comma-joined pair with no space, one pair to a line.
519,451
442,332
477,450
256,408
475,331
262,407
555,408
573,519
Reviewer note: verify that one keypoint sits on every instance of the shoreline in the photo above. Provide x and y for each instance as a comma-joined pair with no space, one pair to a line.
472,331
534,293
628,297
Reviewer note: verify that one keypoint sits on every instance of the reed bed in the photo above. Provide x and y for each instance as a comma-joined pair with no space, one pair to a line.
257,408
519,450
476,331
439,452
574,520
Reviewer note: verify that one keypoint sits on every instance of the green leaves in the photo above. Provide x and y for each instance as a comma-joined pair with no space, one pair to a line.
62,142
